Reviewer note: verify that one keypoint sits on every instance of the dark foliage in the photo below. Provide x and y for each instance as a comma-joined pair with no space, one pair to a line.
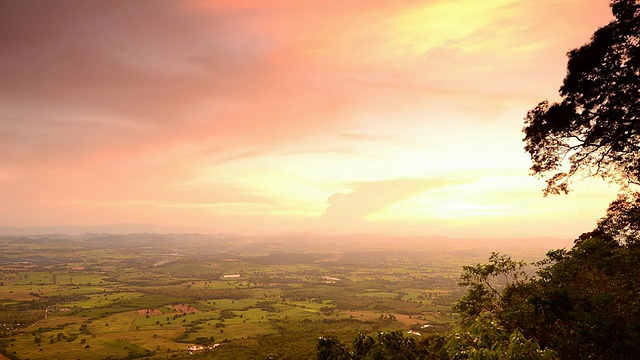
584,302
386,345
479,339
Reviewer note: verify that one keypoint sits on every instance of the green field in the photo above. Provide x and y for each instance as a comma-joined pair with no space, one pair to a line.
124,297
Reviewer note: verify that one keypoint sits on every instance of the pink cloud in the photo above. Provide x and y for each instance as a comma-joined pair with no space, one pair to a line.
120,102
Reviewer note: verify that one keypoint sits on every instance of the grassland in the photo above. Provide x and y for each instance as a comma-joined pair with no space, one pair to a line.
152,296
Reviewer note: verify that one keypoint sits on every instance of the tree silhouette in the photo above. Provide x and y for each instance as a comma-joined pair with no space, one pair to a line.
595,129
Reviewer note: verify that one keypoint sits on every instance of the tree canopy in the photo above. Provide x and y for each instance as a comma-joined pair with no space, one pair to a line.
582,303
595,129
482,338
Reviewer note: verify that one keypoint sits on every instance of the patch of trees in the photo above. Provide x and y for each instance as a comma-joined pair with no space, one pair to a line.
227,314
194,327
60,300
28,312
196,294
378,304
204,341
151,300
266,305
21,317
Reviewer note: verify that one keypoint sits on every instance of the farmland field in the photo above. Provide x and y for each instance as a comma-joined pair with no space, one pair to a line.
152,296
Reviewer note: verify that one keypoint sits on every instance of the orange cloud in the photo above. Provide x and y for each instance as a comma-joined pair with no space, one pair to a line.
232,112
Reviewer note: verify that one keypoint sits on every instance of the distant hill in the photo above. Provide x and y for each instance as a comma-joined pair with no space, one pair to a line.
102,229
292,243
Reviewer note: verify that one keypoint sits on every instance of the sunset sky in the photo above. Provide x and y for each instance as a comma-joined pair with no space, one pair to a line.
280,116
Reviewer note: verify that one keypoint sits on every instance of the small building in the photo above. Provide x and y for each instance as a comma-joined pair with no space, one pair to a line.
194,348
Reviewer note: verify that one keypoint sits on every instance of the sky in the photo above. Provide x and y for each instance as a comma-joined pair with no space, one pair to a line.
284,116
